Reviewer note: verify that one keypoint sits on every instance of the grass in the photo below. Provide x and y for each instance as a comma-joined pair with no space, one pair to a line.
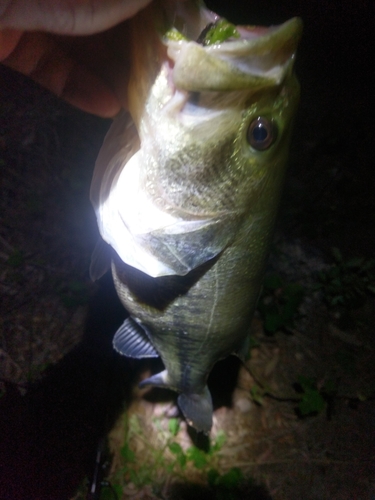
170,459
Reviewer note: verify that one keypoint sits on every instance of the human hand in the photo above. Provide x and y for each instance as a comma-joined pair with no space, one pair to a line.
86,69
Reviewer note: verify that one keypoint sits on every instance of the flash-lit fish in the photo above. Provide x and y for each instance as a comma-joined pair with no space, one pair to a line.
186,190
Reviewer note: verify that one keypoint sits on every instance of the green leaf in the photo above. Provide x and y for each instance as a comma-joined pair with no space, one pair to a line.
212,476
231,479
118,490
176,449
311,402
174,426
257,394
127,454
197,456
181,459
219,442
107,493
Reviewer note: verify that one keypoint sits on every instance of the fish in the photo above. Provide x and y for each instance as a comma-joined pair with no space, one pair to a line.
186,189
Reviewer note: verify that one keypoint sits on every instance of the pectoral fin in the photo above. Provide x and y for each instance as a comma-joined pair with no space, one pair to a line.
100,260
197,409
131,340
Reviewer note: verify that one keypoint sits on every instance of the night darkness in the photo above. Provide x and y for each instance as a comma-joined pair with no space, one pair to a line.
77,386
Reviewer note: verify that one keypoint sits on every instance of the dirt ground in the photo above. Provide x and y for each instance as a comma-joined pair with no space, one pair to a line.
62,386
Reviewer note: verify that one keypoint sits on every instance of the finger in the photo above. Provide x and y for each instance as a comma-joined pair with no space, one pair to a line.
78,17
8,41
38,56
87,92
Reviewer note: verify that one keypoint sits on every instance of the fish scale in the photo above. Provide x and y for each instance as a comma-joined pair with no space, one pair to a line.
198,194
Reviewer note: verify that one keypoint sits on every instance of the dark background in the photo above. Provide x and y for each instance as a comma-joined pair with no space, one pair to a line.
49,437
332,149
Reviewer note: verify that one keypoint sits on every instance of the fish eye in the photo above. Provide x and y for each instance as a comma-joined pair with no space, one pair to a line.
261,133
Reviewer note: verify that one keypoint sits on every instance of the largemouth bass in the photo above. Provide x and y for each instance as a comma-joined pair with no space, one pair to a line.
186,189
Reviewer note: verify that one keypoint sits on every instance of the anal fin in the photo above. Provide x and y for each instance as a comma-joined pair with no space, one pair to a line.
131,340
197,409
158,380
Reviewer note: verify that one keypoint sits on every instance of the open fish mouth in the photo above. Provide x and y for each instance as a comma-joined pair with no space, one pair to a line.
205,52
258,57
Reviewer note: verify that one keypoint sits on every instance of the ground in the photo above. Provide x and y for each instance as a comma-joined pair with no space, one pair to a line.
63,387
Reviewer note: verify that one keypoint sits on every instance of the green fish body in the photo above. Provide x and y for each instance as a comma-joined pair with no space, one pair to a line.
186,190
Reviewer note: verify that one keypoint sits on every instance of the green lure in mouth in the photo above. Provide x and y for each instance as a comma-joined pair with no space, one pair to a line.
214,33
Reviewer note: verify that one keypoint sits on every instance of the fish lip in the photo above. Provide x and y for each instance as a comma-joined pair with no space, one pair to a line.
263,59
254,39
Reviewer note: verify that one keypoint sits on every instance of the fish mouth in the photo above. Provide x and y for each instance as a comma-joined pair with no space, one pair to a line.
260,57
